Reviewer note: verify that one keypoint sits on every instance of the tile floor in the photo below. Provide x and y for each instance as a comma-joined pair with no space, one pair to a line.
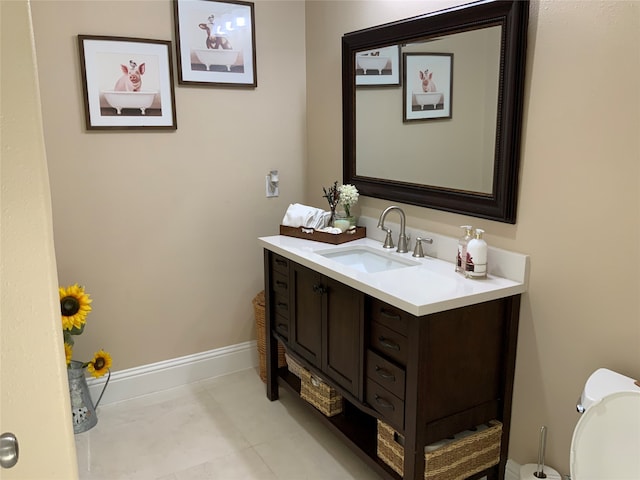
220,428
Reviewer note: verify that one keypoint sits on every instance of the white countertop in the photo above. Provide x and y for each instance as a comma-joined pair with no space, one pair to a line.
429,287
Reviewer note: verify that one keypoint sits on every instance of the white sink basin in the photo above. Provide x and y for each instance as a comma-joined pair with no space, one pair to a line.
366,259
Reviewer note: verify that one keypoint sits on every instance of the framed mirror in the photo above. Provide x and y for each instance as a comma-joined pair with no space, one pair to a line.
446,133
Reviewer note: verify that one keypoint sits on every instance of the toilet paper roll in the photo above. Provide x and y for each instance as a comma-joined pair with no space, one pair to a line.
527,472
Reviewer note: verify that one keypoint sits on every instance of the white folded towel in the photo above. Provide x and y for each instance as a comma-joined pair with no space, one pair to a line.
298,215
332,230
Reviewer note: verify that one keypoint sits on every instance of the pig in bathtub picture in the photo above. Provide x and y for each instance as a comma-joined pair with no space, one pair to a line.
131,79
127,97
216,42
428,85
128,82
424,98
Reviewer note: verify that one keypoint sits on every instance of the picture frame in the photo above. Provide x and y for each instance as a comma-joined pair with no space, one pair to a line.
372,69
216,43
127,83
427,86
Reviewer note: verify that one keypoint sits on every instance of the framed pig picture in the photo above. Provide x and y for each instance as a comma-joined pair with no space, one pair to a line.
127,83
427,86
216,43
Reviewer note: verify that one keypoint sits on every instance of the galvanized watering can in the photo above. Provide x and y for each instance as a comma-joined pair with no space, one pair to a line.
82,408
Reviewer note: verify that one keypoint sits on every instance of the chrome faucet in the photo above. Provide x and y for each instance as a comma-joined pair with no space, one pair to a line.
402,239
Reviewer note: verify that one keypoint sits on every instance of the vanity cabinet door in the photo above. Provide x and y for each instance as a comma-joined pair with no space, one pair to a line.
306,313
326,326
343,336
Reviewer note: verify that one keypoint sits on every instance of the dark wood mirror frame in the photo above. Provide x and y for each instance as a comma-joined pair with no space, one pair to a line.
513,16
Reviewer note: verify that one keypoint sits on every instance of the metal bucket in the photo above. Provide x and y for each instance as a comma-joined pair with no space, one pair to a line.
83,410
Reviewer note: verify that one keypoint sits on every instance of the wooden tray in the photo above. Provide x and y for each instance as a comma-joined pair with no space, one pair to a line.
317,236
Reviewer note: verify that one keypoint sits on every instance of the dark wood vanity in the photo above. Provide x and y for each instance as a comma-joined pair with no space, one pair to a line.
429,377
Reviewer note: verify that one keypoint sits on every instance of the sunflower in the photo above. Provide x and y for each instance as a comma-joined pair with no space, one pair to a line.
74,305
100,364
68,352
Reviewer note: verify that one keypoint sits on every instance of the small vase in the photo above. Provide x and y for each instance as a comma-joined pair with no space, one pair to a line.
344,221
350,218
83,410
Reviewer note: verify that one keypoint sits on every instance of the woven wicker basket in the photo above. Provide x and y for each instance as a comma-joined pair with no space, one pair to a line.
293,366
455,460
261,333
319,394
389,450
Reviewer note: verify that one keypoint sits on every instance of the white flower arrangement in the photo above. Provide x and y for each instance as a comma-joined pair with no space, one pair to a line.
348,197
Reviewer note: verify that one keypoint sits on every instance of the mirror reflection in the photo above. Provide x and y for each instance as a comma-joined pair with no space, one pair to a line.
454,151
446,133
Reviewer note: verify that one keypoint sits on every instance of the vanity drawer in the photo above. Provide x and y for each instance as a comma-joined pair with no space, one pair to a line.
389,316
282,325
388,343
280,264
385,373
281,305
388,405
280,284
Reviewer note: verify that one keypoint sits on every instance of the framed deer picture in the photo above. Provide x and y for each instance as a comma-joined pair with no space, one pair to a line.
427,86
127,83
215,43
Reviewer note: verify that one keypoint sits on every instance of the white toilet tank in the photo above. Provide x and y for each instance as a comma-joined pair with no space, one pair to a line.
606,440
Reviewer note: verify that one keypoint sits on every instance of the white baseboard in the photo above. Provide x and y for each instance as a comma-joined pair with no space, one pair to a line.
137,381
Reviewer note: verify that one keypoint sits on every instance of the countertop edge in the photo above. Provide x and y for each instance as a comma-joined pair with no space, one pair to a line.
492,289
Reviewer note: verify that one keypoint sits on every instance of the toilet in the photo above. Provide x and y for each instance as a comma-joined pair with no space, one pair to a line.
606,440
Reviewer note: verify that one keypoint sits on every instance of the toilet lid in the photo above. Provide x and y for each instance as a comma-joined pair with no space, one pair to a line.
606,440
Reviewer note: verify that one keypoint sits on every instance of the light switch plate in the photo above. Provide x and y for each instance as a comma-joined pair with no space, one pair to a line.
271,190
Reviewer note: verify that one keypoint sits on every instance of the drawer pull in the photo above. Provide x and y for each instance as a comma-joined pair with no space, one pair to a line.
386,374
281,284
319,289
386,313
282,305
281,262
283,326
388,344
384,403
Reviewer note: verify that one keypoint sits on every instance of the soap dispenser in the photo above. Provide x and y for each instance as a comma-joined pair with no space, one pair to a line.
462,248
476,256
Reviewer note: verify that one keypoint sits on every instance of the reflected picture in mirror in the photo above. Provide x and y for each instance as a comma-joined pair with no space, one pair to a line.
380,66
427,85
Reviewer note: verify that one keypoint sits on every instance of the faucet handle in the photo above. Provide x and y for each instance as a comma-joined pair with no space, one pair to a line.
418,252
388,241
